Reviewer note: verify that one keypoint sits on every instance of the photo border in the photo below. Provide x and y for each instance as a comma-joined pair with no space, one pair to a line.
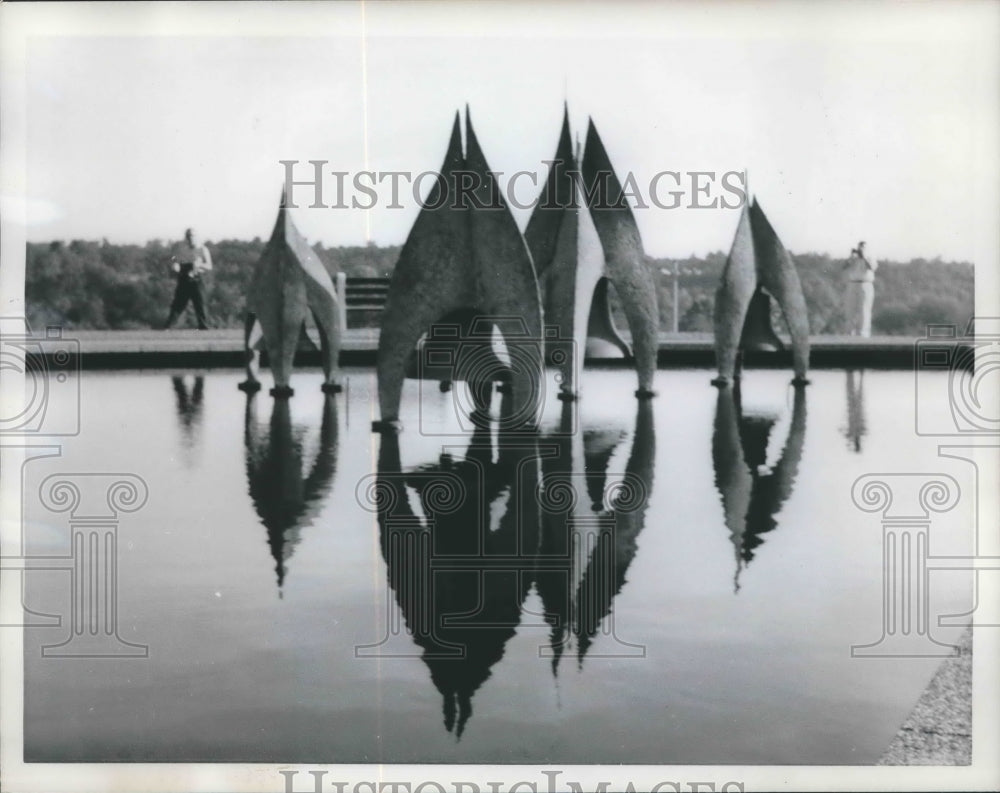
21,22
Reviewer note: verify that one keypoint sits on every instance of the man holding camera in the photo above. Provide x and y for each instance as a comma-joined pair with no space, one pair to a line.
190,261
860,291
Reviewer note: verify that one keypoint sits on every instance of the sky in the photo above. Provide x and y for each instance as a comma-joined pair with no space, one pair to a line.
852,120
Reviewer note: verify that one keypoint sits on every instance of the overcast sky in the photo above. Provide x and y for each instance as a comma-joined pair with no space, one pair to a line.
853,120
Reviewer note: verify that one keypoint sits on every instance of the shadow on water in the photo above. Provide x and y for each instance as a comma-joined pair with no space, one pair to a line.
857,426
285,500
753,493
497,521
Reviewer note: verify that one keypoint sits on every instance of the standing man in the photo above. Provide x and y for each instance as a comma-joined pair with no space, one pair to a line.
189,262
860,291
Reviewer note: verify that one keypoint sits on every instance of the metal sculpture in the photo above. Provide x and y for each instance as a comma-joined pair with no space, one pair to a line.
290,284
758,268
578,246
464,256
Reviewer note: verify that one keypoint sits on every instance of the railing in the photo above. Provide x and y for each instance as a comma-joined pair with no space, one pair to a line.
361,294
366,293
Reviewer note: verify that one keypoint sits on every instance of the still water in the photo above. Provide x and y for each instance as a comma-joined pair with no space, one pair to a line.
677,581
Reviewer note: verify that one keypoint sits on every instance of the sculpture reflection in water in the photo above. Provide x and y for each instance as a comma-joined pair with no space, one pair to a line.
591,522
753,493
856,427
492,526
285,500
461,611
189,406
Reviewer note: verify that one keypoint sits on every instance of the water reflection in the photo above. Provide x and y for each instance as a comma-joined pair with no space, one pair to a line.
459,575
856,427
596,533
285,500
465,540
753,493
554,565
189,406
622,514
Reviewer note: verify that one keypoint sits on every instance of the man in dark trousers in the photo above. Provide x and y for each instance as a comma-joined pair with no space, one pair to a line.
190,261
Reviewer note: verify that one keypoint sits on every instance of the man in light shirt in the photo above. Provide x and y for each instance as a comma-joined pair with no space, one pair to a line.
860,293
189,262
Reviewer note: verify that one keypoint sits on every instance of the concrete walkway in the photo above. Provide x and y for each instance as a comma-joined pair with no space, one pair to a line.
126,349
939,729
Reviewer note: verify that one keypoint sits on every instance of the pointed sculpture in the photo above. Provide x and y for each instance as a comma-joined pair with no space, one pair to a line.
578,246
752,494
464,255
289,283
758,262
285,501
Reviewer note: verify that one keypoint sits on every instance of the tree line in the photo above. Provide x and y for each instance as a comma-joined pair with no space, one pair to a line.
99,285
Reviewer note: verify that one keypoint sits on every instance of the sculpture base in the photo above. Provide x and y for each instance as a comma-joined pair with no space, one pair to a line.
249,386
331,388
645,393
387,426
282,391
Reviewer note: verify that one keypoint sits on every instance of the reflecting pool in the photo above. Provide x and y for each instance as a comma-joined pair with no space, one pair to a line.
673,581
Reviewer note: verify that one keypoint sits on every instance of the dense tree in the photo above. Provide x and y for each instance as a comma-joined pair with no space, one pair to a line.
83,284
